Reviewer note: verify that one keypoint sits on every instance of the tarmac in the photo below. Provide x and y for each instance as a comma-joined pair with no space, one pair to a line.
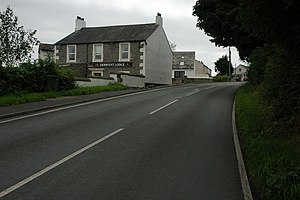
27,108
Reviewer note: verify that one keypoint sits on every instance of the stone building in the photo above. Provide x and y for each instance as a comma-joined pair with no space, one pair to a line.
185,65
140,49
46,50
240,73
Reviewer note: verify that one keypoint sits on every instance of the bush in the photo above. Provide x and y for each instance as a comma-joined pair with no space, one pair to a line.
277,72
272,155
32,77
221,78
65,77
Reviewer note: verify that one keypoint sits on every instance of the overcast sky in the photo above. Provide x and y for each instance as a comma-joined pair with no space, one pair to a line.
55,19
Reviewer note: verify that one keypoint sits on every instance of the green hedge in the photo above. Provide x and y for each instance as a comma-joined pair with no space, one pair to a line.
221,78
32,77
272,155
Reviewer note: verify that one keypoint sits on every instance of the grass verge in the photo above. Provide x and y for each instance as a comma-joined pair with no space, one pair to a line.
271,155
23,97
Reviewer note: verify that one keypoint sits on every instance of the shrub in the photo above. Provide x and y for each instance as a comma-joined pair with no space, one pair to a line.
221,78
272,154
32,77
277,72
65,77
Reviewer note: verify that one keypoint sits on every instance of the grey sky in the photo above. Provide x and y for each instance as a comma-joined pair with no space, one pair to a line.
54,19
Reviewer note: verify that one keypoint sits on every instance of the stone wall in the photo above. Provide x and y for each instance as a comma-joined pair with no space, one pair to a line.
84,59
183,59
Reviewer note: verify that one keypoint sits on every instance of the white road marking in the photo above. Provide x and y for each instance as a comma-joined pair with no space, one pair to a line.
36,175
151,113
210,87
198,90
242,170
77,105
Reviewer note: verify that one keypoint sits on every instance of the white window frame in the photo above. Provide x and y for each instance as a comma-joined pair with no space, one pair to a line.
94,53
68,53
120,51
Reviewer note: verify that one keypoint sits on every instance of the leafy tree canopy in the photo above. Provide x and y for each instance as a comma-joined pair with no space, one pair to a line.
249,24
274,22
16,43
218,19
222,65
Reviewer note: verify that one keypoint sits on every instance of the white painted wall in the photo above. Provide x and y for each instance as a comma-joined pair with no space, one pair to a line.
133,81
158,58
94,82
240,70
187,72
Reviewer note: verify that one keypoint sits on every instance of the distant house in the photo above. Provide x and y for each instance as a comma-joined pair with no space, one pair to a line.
240,73
46,50
141,49
185,65
201,70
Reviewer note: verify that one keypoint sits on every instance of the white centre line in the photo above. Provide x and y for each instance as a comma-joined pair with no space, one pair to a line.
78,105
65,159
163,107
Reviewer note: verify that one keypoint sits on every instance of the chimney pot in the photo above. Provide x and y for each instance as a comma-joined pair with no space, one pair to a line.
79,23
159,19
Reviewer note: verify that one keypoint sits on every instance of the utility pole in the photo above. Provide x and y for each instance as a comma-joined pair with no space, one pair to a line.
229,63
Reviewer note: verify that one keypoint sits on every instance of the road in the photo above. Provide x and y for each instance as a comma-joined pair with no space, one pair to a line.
167,143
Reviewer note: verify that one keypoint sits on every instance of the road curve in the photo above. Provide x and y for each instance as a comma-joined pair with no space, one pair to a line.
171,143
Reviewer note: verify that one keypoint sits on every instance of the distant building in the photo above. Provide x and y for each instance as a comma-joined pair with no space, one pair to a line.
141,49
185,65
240,73
201,70
46,50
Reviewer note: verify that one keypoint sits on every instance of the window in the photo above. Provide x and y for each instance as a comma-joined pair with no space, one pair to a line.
124,51
179,74
71,53
97,53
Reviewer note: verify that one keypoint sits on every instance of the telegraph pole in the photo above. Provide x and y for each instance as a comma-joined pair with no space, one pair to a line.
229,63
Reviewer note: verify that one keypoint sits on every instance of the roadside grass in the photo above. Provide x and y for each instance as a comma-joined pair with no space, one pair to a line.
24,97
271,155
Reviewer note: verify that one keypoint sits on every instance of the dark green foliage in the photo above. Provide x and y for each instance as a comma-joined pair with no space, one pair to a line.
273,162
32,77
65,77
219,78
222,65
275,22
218,18
25,97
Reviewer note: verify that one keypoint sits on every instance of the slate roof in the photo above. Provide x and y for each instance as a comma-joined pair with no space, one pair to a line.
121,33
46,47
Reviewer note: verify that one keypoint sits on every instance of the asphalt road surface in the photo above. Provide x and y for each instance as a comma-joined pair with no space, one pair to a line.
167,143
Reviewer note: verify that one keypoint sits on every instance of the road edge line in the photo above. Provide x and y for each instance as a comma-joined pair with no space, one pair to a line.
242,170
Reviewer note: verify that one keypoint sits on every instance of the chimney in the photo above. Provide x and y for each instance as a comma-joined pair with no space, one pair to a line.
159,19
79,23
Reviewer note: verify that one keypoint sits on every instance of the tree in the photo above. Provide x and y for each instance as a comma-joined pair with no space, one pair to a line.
172,45
16,43
219,20
274,22
222,65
